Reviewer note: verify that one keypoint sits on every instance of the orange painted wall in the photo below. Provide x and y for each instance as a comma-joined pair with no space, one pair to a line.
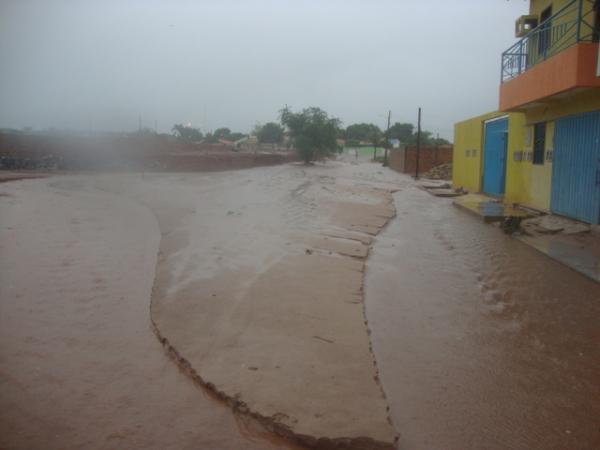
572,68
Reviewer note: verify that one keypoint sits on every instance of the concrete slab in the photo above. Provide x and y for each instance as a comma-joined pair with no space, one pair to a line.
551,224
554,236
434,185
444,193
583,260
489,209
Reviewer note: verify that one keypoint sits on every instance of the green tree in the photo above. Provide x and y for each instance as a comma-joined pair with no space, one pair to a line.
361,131
425,138
270,133
235,136
222,133
440,141
376,138
402,131
186,133
407,134
313,132
210,138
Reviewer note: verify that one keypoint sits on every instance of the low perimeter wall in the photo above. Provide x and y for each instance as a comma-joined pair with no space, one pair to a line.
126,153
404,160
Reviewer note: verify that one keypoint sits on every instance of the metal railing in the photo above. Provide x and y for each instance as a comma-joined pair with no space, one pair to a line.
572,24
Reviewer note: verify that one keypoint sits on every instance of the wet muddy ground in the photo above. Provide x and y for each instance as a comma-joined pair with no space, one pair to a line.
258,289
79,364
481,341
254,278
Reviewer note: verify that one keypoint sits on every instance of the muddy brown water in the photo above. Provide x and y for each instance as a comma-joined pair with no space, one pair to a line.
481,342
80,366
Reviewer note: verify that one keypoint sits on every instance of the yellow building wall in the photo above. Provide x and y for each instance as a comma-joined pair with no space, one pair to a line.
517,173
568,104
468,149
537,6
527,183
566,19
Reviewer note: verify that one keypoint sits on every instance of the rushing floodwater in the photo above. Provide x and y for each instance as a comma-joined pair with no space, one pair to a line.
481,342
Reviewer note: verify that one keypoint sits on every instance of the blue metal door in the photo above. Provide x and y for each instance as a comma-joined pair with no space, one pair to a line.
576,167
494,156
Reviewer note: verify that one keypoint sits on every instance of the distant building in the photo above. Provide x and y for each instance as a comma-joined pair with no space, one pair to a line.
542,147
394,143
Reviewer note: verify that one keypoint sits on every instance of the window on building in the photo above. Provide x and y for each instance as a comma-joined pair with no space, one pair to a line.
539,142
544,34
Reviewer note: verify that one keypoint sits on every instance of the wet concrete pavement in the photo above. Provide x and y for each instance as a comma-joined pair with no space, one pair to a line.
481,341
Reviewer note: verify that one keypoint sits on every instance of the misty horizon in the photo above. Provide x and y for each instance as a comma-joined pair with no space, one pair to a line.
104,66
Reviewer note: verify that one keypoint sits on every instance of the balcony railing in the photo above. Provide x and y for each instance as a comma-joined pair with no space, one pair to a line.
572,24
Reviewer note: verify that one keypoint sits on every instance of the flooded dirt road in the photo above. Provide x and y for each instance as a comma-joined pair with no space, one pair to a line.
253,278
259,290
481,342
79,364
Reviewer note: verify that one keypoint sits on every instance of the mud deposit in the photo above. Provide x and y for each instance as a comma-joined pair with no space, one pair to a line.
258,295
481,342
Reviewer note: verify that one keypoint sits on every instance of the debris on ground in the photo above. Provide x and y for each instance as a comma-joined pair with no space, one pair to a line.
441,172
551,224
444,192
510,224
436,186
441,188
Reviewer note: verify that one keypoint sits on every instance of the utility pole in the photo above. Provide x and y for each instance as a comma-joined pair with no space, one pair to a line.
139,122
387,139
418,144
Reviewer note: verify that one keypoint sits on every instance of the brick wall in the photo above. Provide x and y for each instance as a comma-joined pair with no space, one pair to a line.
404,159
396,159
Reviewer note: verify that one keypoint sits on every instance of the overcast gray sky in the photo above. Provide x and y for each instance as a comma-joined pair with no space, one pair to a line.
69,64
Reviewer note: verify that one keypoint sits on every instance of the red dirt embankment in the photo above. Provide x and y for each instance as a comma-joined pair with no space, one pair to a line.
125,153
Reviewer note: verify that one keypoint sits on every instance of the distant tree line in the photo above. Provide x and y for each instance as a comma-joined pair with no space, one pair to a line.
371,133
191,134
314,134
269,133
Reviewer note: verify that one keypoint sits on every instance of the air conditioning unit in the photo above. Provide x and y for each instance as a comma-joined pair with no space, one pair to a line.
525,24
